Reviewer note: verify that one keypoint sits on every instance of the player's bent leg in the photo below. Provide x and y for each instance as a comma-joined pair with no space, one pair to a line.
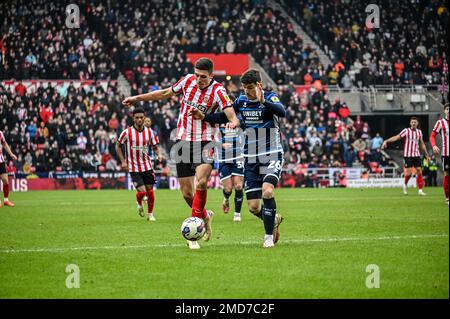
187,189
150,202
269,202
269,212
203,172
420,182
140,193
238,183
255,207
407,178
7,202
227,190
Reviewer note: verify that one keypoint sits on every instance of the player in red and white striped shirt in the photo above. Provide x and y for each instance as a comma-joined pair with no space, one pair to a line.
136,139
198,90
442,127
413,144
4,171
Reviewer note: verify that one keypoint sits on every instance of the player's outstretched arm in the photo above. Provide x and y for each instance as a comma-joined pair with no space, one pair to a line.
232,118
393,139
8,150
218,117
157,95
215,118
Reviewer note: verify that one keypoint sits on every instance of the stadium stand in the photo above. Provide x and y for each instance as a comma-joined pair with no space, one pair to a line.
410,47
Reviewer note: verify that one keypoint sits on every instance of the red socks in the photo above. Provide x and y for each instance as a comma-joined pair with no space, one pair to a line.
420,181
139,197
5,190
407,178
150,200
446,184
198,204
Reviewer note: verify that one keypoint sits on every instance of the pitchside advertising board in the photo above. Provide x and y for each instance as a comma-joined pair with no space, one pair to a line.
350,177
86,181
380,183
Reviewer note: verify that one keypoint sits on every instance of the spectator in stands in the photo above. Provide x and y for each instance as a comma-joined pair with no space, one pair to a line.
394,54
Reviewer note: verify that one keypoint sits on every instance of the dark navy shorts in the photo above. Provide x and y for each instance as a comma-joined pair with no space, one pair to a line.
227,170
257,171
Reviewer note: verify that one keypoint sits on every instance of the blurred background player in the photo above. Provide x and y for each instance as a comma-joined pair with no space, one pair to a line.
4,171
201,91
413,144
136,139
263,151
231,169
153,151
442,128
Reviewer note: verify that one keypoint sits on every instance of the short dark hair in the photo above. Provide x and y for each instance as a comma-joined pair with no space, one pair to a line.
446,105
138,110
205,64
251,77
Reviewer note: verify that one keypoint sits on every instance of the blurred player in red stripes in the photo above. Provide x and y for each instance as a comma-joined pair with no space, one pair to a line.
413,144
198,90
4,171
153,151
136,139
442,128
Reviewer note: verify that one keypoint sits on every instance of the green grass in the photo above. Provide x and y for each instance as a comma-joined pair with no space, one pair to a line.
328,238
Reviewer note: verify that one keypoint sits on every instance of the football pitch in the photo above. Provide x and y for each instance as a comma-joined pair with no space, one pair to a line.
329,239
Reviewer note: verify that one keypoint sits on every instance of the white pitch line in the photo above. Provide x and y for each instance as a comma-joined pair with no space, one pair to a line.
292,241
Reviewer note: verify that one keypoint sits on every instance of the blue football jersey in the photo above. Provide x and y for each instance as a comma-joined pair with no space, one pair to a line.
231,145
260,124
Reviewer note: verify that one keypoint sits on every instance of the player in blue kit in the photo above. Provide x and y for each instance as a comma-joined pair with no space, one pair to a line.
260,112
231,169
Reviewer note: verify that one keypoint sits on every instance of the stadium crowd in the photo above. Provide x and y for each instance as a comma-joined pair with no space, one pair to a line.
409,47
148,41
36,44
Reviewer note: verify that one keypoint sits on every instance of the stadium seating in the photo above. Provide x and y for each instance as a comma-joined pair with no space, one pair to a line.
410,47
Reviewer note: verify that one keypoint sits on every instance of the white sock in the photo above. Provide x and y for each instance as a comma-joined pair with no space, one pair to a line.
6,199
237,214
268,237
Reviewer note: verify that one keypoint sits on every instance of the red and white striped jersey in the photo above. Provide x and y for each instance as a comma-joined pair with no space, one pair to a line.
411,144
136,144
442,128
208,100
2,140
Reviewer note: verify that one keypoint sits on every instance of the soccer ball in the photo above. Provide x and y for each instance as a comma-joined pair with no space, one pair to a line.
193,228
